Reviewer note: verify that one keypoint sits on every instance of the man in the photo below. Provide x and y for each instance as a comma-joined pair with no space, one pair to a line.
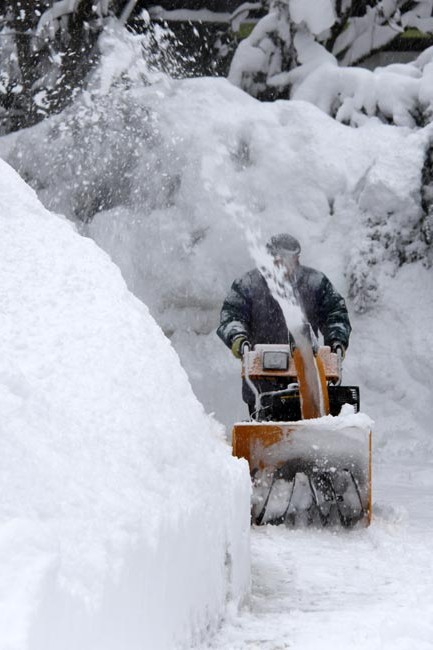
250,314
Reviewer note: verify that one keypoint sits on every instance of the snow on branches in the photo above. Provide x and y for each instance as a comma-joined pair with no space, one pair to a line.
277,45
56,17
378,25
293,52
400,94
46,49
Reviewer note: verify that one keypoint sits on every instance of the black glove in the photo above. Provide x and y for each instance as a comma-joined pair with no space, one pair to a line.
337,345
238,346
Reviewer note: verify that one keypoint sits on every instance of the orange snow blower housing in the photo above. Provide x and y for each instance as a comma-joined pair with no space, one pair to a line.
312,464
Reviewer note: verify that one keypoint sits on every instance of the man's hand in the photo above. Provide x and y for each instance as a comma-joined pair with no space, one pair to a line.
238,346
336,346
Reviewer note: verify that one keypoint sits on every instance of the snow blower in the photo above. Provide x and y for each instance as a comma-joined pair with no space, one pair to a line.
307,445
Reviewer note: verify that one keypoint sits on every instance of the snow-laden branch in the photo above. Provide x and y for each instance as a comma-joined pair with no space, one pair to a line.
283,57
127,11
59,9
400,94
378,26
275,45
241,13
48,22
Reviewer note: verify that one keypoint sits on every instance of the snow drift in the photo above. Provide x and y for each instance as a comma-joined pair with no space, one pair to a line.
124,518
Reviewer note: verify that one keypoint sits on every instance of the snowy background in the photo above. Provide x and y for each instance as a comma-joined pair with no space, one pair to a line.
167,178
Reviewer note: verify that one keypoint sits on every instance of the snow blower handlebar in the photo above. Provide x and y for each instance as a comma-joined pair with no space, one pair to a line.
250,383
339,353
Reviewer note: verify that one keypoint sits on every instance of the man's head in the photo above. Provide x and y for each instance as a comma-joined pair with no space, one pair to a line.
285,249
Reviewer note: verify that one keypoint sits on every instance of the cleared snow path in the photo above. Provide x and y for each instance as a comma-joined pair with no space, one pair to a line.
368,588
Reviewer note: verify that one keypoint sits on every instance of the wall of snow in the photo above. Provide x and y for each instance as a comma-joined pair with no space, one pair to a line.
124,518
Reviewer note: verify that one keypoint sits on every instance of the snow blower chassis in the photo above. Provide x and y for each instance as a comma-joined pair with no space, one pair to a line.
307,472
313,471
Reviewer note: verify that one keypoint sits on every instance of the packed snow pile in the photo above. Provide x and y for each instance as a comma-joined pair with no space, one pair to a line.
124,518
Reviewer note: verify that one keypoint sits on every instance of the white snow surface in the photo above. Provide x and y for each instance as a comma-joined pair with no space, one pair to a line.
124,520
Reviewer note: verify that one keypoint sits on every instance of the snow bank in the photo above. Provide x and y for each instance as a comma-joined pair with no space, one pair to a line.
124,518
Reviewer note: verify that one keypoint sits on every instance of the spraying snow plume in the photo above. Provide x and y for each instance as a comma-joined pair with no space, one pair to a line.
279,285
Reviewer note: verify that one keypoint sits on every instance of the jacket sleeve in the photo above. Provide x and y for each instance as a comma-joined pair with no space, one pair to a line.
334,320
235,316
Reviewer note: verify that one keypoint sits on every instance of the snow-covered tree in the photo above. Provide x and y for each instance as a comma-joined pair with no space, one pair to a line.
279,43
298,36
46,49
285,56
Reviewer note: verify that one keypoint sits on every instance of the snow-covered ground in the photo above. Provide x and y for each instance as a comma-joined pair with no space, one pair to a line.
361,590
118,492
201,164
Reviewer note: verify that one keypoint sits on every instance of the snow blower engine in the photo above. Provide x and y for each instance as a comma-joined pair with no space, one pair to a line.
308,449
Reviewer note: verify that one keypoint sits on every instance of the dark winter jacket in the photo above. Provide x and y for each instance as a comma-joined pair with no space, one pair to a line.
251,310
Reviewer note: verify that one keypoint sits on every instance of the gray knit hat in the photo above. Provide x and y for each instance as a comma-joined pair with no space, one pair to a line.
283,242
